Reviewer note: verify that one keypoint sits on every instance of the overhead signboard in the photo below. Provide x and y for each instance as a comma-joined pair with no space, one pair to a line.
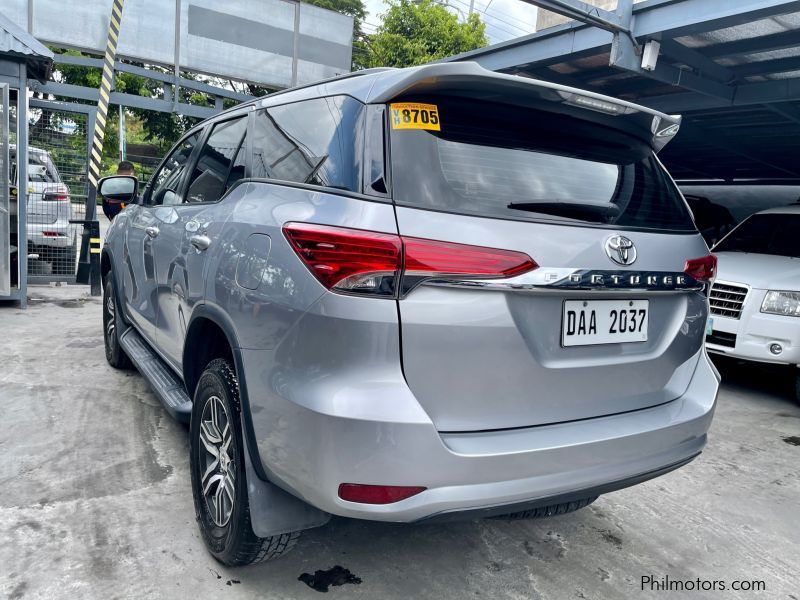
276,43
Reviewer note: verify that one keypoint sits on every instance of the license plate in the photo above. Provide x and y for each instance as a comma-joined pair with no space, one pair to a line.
590,322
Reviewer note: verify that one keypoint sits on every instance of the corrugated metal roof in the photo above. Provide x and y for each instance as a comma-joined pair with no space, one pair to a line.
18,42
735,77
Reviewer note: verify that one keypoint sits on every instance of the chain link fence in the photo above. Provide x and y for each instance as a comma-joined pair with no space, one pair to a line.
57,190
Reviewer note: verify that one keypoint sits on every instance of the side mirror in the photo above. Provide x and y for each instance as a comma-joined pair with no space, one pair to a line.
117,191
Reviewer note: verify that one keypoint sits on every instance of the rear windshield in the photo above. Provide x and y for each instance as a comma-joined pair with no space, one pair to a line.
509,162
40,167
775,234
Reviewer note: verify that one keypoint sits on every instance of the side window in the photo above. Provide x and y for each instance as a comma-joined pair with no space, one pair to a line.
221,162
166,181
312,141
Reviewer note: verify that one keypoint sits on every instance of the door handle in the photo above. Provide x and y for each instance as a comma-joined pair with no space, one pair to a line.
201,242
151,231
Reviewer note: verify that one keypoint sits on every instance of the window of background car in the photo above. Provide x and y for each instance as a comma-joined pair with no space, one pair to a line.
521,163
166,181
40,167
221,163
313,141
771,233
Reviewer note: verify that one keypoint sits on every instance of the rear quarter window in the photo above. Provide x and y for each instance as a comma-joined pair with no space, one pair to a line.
316,142
510,162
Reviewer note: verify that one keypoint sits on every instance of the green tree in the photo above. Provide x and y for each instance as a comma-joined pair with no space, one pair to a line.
161,127
357,10
416,32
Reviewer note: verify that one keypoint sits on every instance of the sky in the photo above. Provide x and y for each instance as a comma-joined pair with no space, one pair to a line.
505,19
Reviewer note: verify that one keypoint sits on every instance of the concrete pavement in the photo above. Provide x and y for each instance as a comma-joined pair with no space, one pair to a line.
95,500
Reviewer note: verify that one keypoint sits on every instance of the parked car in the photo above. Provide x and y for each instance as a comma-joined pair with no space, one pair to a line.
755,302
49,210
408,295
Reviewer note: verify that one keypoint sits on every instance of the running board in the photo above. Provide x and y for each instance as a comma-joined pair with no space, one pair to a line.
167,386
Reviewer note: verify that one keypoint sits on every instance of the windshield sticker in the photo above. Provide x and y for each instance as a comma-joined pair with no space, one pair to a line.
412,115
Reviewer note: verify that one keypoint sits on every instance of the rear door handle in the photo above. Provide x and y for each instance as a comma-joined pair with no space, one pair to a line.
201,242
151,232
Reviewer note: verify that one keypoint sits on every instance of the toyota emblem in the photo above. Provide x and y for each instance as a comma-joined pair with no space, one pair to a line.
621,250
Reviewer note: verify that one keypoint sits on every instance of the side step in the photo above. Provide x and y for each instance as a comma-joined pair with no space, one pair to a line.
167,386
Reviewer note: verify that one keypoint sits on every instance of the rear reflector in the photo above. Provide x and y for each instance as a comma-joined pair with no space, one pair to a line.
702,269
377,494
369,262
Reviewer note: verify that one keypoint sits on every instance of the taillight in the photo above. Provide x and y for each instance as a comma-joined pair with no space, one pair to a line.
54,196
349,260
377,494
359,261
702,269
429,259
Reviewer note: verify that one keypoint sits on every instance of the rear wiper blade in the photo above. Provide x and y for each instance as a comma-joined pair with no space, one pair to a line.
575,210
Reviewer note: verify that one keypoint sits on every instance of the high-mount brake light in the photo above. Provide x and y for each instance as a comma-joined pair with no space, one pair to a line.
702,269
370,262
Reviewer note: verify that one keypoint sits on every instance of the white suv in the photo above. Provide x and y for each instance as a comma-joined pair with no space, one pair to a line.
755,301
50,235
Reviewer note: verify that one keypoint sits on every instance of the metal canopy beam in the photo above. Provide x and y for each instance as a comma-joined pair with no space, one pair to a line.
689,81
787,111
692,58
585,13
735,146
783,90
84,61
774,41
764,67
651,18
143,102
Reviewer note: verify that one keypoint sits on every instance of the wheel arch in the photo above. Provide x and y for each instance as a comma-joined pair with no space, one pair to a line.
106,267
208,328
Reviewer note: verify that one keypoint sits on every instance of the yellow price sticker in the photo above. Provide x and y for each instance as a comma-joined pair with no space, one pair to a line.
412,115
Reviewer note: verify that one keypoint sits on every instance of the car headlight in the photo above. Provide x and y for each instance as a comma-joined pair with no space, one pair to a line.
781,303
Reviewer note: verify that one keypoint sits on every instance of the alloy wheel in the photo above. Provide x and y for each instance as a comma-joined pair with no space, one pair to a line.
217,463
111,321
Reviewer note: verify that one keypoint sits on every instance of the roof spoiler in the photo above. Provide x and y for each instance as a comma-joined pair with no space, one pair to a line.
470,79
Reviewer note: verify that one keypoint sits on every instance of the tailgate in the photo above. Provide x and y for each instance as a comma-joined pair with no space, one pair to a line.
607,323
482,358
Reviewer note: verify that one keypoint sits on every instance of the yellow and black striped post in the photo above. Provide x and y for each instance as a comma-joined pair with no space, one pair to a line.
105,92
89,266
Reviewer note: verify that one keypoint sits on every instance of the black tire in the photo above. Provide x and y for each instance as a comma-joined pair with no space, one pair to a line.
797,385
549,511
112,325
230,540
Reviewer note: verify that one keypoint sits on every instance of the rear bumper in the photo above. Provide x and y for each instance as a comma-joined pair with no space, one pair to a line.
60,234
505,509
315,446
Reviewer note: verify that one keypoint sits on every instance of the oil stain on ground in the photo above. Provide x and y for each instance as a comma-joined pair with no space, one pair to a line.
794,440
322,580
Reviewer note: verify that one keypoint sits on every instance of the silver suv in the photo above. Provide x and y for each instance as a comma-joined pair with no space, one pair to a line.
49,209
404,295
